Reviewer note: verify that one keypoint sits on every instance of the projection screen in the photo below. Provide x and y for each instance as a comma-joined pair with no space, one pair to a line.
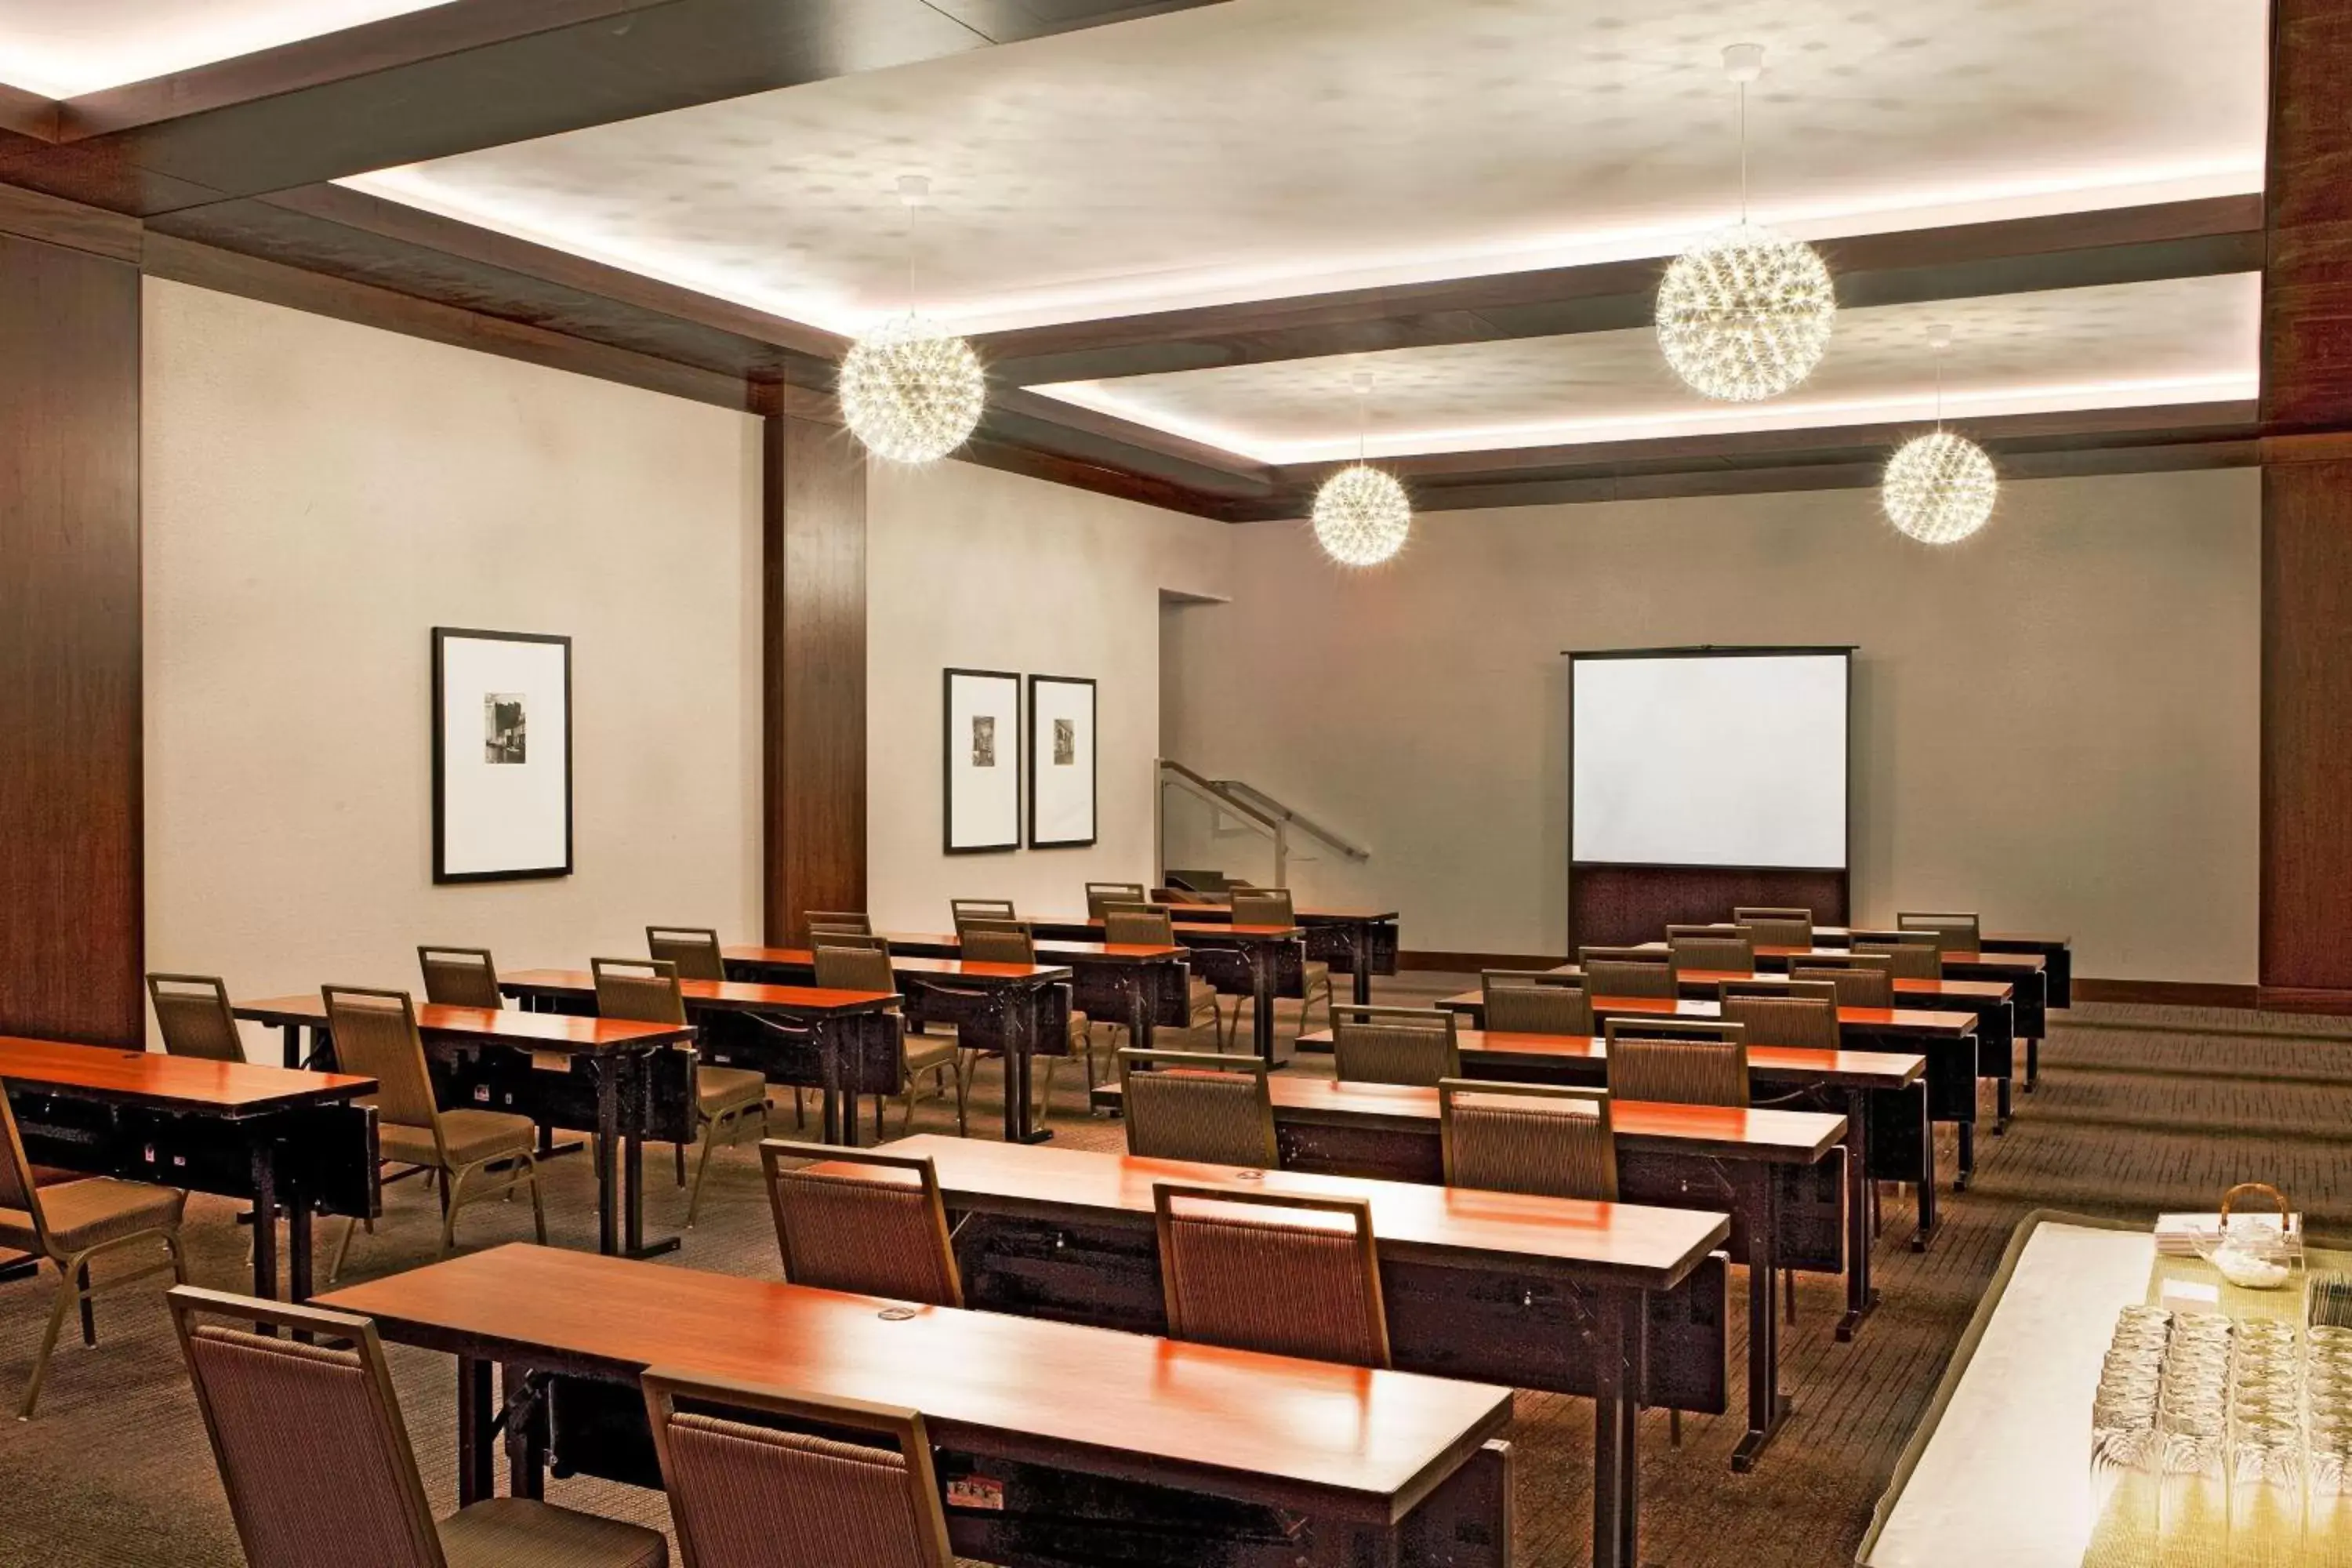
1710,757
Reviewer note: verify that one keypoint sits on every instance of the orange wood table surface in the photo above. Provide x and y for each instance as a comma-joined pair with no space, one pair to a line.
168,1082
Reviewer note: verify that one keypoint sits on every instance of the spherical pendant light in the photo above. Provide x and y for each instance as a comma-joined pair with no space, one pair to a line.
1746,313
1939,488
1362,515
911,390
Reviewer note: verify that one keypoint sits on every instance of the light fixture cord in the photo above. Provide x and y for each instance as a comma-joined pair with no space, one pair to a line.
1743,152
911,210
1939,389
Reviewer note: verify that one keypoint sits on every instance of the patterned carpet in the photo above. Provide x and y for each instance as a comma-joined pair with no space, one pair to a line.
2140,1109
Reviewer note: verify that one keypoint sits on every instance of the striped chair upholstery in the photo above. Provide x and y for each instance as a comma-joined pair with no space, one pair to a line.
192,1011
1679,1063
1920,960
693,948
750,1494
1188,1105
864,1222
1728,952
1519,1002
1099,894
1953,933
1262,1271
1783,915
849,920
1764,931
354,1495
1862,983
1395,1044
994,944
834,936
1614,977
1540,1139
1799,1015
460,977
963,910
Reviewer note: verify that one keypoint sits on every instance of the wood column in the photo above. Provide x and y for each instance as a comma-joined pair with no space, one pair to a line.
814,606
71,925
2306,719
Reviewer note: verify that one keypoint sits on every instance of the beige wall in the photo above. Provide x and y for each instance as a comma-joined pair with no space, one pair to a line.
2056,722
317,496
971,568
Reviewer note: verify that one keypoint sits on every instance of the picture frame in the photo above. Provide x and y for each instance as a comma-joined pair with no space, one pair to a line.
981,760
1061,761
501,755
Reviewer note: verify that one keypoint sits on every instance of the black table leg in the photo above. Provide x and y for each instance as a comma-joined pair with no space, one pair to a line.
633,1163
1022,1035
475,1416
1860,1297
526,1433
265,1222
2002,1107
1139,1009
1262,966
293,1033
838,1129
608,1138
2033,1061
1968,1155
1927,1231
1359,960
298,1247
1767,1406
1617,1359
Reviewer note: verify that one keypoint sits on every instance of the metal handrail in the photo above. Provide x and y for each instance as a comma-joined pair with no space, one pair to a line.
1254,805
1231,787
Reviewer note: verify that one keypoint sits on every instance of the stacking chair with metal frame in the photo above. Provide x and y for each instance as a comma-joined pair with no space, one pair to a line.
1417,1045
962,910
836,922
376,1036
1677,1061
1198,1105
1145,926
316,1460
193,1014
1544,1139
1534,1002
1651,975
759,1494
1799,1015
1711,947
70,1223
867,968
1914,955
1274,907
460,977
1274,1272
989,939
1862,979
869,1223
646,990
1954,931
1780,918
693,950
1098,894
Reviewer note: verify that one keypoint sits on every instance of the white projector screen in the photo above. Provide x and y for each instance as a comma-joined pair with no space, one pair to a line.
1710,759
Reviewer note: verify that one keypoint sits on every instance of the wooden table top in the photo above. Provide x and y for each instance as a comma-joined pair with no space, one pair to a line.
1222,913
1220,929
1883,1020
1060,951
151,1078
1363,1443
1929,990
556,1032
736,994
1791,1137
2019,962
1862,1070
1872,933
900,963
1619,1244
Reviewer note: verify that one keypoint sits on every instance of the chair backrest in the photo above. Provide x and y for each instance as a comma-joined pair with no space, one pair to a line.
644,989
1198,1105
750,1493
853,968
838,936
1744,913
1542,1138
1729,952
1676,1061
963,910
1763,931
1101,893
997,941
1534,1002
460,977
306,1434
192,1011
1799,1015
693,948
1265,1271
18,1190
1616,977
1916,955
1862,979
1142,927
865,1222
375,1036
1954,931
1264,907
1395,1044
838,919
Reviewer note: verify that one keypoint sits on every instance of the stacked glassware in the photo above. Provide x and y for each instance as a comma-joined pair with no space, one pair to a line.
2127,1451
2327,1430
2266,1445
2193,1415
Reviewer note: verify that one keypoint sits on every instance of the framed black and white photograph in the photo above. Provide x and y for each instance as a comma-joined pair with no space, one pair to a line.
501,755
983,747
1062,766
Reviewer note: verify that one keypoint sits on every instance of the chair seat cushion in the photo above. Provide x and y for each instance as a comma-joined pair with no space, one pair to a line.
925,1052
720,1089
1199,994
99,1208
471,1137
1080,1030
516,1532
1317,974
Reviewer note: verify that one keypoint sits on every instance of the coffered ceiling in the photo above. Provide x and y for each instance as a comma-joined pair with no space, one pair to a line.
63,48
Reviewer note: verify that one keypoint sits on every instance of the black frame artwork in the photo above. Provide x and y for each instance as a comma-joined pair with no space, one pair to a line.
1037,774
952,744
443,872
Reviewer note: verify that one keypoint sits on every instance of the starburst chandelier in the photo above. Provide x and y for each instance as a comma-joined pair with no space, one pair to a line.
911,390
1939,488
1361,513
1746,313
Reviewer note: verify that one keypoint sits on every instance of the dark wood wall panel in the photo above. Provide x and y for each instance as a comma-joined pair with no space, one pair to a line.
70,806
815,655
1610,906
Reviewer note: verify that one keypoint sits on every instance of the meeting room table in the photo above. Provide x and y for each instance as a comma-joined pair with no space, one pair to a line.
1359,943
1259,962
1139,986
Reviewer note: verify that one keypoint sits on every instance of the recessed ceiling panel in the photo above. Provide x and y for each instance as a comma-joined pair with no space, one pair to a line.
1271,147
2189,340
63,48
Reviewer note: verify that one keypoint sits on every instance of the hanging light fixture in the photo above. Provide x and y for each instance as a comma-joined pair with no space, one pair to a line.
1361,513
1746,313
911,390
1939,488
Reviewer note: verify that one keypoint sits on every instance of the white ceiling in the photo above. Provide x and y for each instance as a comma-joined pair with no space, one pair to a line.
2191,340
1269,147
62,48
